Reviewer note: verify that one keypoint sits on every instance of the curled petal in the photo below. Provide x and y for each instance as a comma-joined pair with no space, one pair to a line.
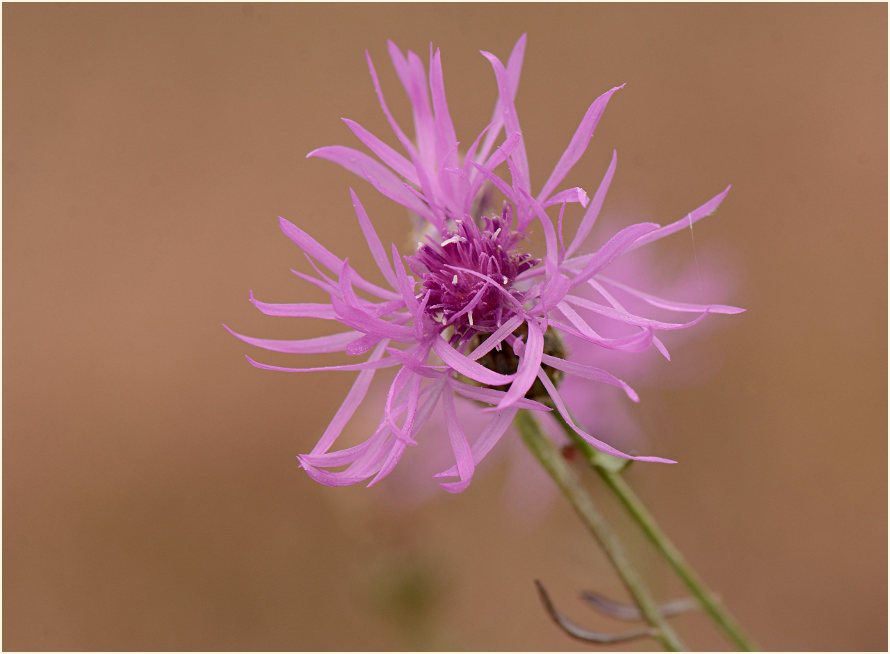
597,443
350,403
593,209
493,396
367,365
579,142
589,372
379,176
634,343
529,365
295,310
620,243
693,216
511,121
672,305
467,367
446,140
385,153
332,343
389,464
329,260
422,176
496,338
574,194
514,69
486,440
629,318
310,246
463,456
373,240
487,168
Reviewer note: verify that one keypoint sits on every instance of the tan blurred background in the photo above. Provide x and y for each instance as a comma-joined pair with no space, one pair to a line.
151,498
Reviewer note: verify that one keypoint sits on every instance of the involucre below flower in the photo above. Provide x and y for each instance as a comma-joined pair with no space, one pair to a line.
469,313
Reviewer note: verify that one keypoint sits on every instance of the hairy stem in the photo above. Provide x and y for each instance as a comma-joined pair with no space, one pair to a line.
551,459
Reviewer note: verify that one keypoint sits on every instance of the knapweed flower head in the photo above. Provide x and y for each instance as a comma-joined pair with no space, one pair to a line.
469,313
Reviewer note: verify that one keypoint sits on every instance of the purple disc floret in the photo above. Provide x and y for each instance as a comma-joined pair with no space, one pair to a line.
468,279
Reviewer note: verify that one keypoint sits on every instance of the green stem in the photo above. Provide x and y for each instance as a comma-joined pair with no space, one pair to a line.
709,602
551,459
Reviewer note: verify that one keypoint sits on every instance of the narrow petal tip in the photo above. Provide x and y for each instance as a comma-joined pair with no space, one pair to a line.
455,486
654,459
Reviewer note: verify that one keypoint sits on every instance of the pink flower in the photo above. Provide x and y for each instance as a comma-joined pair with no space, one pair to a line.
469,313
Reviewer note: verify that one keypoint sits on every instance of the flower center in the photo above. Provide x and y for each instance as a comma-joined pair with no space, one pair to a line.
468,279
